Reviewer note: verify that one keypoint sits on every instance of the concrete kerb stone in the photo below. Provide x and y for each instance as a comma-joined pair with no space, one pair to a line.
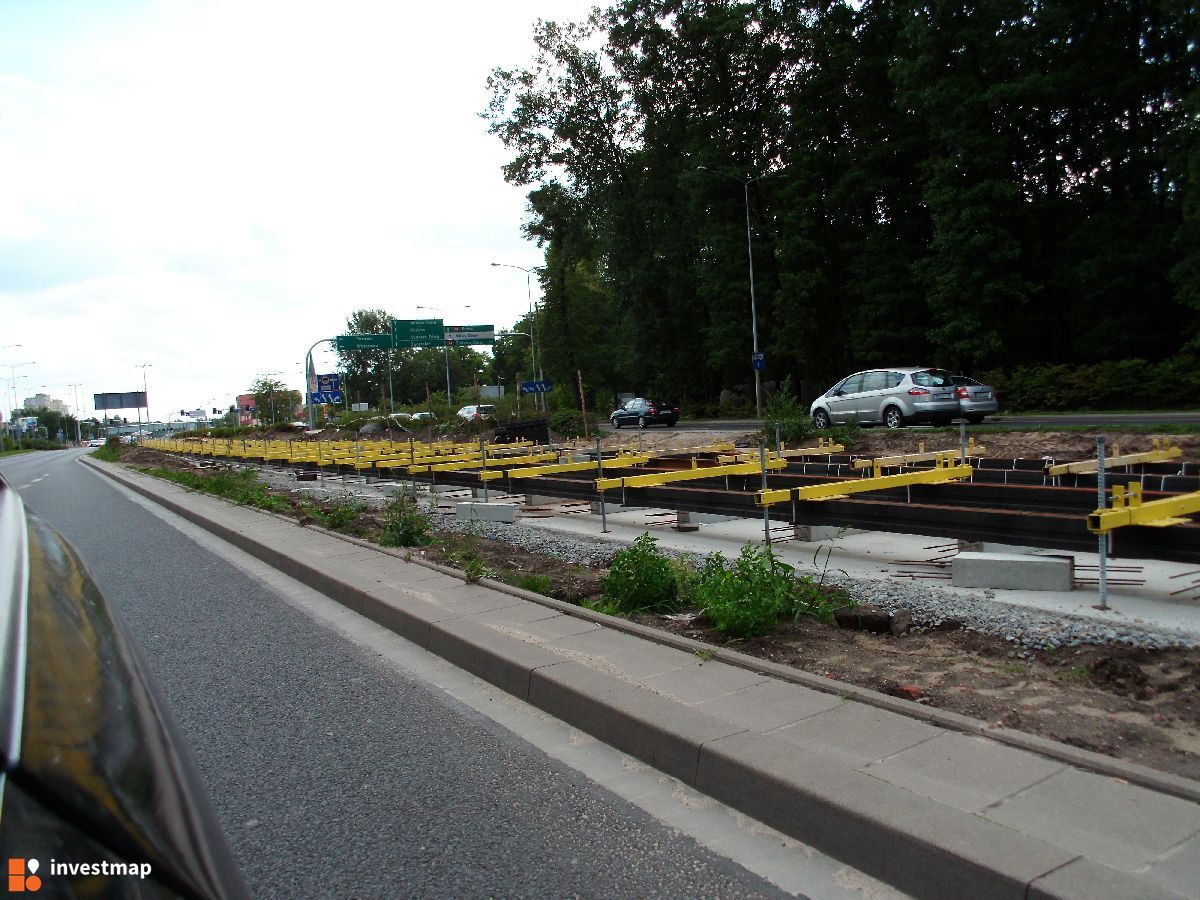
1085,878
1083,759
496,658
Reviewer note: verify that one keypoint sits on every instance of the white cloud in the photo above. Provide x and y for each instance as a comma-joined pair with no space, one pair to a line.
212,187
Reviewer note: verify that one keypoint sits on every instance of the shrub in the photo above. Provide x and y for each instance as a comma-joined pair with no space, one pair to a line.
404,525
640,579
569,423
341,514
784,414
748,597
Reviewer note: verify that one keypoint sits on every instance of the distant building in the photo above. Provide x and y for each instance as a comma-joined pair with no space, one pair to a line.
45,401
246,410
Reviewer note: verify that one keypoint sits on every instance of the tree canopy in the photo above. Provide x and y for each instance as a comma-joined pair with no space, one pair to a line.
978,185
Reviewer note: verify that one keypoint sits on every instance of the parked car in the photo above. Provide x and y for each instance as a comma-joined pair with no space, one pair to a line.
477,413
93,764
975,400
641,412
424,416
893,397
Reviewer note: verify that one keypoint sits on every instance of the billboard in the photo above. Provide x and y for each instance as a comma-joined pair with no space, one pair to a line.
127,400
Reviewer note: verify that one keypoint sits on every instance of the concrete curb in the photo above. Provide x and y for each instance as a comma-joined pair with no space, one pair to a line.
932,850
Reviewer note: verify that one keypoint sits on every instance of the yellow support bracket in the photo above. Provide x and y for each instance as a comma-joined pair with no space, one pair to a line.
1128,509
904,459
1162,452
825,446
654,479
943,473
634,459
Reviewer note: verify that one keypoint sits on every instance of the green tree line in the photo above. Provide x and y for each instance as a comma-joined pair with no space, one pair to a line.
980,185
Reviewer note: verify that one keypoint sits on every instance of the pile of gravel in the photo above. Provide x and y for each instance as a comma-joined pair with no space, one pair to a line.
931,607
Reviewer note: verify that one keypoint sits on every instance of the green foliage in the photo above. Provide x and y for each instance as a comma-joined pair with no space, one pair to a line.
340,515
110,452
274,402
783,414
242,487
527,581
569,423
405,525
1172,383
746,598
640,579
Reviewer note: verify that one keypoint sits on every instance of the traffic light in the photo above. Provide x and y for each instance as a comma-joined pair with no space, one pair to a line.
182,413
216,412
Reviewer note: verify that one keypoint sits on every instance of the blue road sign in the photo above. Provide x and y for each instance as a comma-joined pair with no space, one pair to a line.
325,397
758,361
536,387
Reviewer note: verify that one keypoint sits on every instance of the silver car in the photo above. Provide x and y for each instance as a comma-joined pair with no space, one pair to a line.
975,400
893,397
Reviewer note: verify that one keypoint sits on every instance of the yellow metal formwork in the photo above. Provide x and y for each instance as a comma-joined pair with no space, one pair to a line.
904,459
943,472
654,479
1162,452
1128,509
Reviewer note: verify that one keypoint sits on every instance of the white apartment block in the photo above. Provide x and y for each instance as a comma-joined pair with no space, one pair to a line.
45,401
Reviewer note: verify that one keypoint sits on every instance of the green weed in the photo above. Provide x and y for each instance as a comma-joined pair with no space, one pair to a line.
405,525
640,579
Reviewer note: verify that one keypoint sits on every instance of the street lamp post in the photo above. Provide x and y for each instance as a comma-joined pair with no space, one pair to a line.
310,379
78,436
12,381
532,326
746,182
145,398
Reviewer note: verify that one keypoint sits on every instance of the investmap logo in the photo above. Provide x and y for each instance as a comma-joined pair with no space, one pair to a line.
23,875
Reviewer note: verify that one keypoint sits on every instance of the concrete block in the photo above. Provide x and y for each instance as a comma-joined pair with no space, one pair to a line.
931,850
653,728
609,508
488,653
541,500
683,521
770,705
817,533
703,682
1013,571
857,734
474,511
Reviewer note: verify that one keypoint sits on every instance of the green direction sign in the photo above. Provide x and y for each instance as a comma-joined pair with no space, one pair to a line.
418,332
470,334
347,342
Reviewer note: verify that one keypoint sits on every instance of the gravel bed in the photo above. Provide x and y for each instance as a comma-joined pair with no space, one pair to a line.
930,606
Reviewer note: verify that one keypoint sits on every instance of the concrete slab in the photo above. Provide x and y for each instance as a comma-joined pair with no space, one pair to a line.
609,508
1178,869
521,614
541,631
1093,881
477,511
703,681
964,771
857,734
769,705
653,728
1126,826
1013,571
632,656
909,841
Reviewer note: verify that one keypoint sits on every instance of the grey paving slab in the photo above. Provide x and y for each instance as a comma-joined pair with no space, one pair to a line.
655,729
770,705
542,631
633,656
856,733
1085,879
1178,869
909,841
964,771
521,613
1121,825
469,604
705,681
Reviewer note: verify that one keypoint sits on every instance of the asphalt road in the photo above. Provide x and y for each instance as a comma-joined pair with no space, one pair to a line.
334,773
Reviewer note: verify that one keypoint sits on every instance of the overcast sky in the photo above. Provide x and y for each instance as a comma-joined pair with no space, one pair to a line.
210,186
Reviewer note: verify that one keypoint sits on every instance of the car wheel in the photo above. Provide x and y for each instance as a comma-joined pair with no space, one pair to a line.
671,423
821,419
641,421
893,418
616,422
975,420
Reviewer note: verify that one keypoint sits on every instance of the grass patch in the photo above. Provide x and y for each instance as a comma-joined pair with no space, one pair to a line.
242,488
527,581
15,452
